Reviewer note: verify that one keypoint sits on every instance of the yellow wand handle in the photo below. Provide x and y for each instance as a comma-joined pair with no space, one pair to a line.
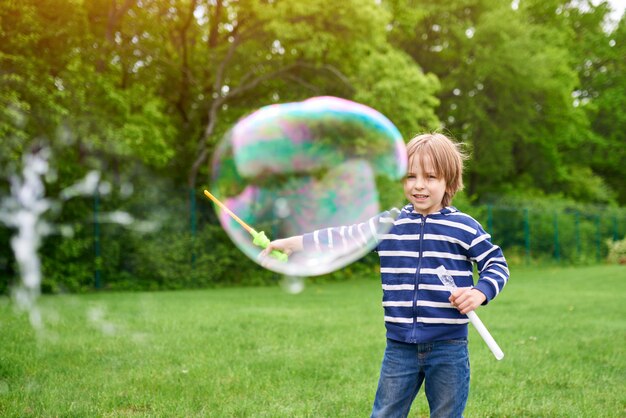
259,238
229,212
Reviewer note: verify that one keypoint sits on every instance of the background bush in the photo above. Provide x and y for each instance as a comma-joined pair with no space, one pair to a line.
163,249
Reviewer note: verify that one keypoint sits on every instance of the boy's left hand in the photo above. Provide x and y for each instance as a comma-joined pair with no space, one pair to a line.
466,300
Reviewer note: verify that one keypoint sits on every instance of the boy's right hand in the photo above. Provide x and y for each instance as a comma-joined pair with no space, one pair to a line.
285,245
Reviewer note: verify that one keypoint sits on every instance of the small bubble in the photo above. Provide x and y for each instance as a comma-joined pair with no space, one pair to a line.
281,208
126,189
66,231
292,284
51,176
104,188
96,317
87,186
119,217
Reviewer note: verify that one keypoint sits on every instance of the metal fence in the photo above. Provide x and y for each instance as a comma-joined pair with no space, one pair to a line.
150,242
572,235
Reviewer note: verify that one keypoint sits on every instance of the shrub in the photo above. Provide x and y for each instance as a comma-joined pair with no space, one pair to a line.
617,251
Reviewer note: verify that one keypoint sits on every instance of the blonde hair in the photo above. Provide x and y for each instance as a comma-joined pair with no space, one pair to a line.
446,157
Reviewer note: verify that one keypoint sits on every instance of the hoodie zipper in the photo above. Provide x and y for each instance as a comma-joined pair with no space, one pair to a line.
417,281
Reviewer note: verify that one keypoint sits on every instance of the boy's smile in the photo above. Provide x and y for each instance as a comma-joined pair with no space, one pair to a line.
423,187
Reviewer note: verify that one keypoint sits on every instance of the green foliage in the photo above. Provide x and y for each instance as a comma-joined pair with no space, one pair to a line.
160,251
145,90
617,251
550,230
393,85
509,79
55,78
178,260
7,261
155,250
601,94
536,91
68,264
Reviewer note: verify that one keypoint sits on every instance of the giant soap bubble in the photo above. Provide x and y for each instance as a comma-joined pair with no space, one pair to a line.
295,168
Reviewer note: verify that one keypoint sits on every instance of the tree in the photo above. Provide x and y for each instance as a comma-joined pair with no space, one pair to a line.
138,88
67,82
507,77
599,52
264,52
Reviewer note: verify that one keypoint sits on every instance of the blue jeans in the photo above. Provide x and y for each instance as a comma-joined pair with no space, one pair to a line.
444,365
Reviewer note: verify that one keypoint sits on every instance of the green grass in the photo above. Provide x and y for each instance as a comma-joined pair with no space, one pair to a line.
261,352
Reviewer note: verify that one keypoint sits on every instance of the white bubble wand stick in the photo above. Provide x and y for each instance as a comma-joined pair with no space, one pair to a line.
448,282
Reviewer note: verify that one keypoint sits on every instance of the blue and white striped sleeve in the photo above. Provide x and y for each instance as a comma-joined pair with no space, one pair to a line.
492,266
356,236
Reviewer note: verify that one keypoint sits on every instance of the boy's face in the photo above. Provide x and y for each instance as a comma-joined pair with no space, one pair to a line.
423,187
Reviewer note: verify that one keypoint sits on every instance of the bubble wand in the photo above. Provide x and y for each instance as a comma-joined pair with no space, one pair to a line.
258,238
448,282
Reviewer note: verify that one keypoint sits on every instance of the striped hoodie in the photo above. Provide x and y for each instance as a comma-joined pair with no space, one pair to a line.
415,302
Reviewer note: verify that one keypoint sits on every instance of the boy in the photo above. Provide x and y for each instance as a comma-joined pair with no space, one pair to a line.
426,336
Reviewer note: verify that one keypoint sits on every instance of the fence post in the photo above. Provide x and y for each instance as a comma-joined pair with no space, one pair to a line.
557,250
527,234
96,241
192,218
598,237
577,232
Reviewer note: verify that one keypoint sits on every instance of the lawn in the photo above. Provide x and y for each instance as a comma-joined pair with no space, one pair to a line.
262,352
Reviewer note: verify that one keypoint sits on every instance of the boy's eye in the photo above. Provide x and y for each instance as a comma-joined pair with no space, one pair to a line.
410,176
